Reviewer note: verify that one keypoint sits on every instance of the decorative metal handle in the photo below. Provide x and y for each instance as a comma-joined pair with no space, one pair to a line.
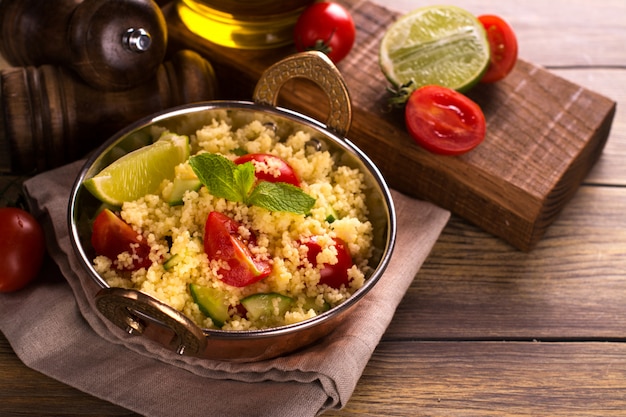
317,67
131,309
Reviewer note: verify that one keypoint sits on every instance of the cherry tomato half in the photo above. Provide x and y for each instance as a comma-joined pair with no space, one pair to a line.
503,45
326,27
333,275
22,248
112,236
270,168
444,121
222,241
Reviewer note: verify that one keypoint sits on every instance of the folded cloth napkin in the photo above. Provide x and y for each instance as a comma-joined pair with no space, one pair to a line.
55,329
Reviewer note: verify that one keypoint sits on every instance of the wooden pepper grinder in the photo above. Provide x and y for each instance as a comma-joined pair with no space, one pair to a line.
51,117
111,44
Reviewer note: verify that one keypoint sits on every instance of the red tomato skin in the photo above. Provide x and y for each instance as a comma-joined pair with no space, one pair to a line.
112,236
287,174
444,121
22,248
222,241
334,275
328,24
503,45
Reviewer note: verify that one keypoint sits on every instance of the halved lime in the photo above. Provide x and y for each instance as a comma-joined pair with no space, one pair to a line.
139,172
442,45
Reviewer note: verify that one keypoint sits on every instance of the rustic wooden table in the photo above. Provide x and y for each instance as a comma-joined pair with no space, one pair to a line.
485,329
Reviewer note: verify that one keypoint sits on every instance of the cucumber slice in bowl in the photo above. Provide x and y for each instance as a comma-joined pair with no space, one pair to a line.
266,305
212,303
174,195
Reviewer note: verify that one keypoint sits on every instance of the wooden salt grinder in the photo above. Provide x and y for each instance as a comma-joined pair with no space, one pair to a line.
111,44
51,117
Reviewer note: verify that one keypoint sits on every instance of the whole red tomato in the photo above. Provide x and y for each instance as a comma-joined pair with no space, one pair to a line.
326,27
22,248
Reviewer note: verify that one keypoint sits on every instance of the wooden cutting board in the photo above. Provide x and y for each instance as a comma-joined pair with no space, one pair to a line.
544,133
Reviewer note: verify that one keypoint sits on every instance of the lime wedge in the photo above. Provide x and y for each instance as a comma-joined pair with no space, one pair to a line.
442,45
139,172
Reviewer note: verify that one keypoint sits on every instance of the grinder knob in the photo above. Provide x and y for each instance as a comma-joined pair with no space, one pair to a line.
51,117
111,44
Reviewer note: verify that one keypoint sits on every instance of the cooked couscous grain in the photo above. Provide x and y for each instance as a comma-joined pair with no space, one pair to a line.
177,231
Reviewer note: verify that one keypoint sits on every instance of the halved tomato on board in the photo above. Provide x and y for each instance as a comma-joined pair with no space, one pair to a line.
503,46
223,241
444,121
112,236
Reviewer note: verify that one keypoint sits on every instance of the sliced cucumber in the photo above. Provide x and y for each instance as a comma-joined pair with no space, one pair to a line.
174,195
212,303
331,214
266,305
173,261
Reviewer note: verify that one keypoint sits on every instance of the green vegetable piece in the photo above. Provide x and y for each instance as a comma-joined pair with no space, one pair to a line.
212,303
172,262
174,196
266,305
217,173
331,215
280,196
225,179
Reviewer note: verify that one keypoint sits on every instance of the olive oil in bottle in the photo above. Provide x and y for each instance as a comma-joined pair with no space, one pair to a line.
243,24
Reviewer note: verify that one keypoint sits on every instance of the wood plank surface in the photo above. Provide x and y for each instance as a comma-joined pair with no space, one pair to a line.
26,392
486,330
571,287
481,379
610,168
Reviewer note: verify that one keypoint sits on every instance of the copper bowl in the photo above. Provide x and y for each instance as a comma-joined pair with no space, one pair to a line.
141,314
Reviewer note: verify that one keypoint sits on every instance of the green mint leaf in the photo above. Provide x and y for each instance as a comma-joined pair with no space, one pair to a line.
217,173
225,179
280,196
244,179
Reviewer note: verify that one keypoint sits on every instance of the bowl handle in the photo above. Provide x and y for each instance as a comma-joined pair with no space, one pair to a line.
317,67
133,311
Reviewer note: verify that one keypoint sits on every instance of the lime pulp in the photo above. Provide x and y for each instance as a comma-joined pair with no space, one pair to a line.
440,45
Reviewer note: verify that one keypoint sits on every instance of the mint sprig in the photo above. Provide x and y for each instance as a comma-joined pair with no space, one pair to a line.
225,179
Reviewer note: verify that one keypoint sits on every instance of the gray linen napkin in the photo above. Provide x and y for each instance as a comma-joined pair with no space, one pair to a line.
55,329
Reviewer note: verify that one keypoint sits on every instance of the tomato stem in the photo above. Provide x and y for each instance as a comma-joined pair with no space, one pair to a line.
321,46
4,192
400,95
